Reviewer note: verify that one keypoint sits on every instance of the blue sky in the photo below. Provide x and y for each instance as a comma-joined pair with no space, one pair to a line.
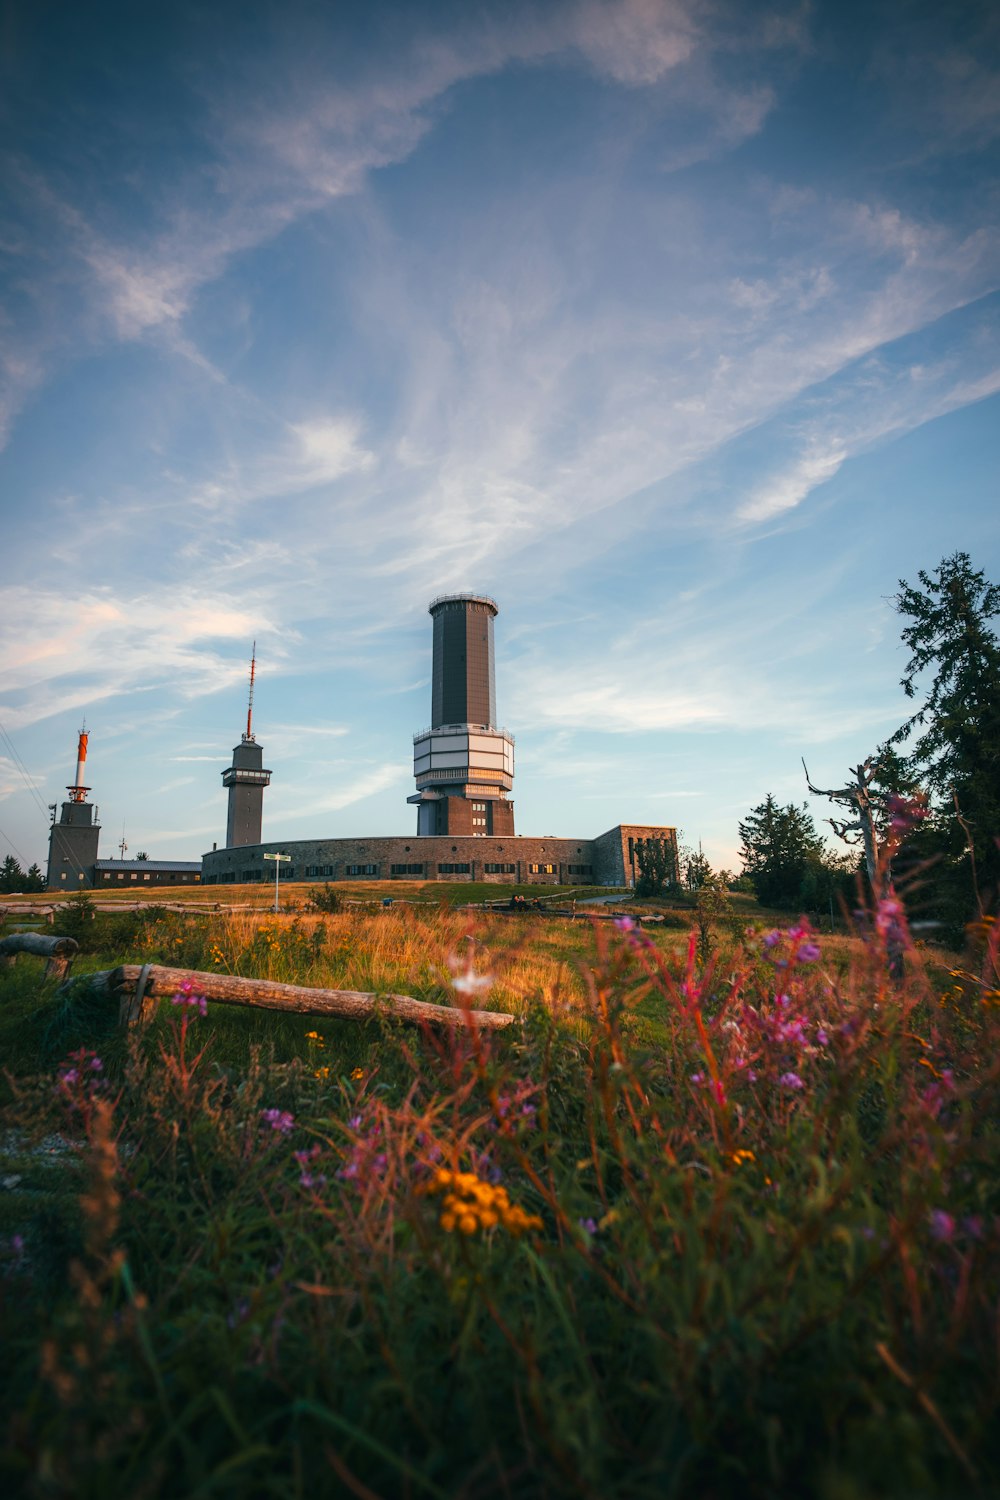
675,327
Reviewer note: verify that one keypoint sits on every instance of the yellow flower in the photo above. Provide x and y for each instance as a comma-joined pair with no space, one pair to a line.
357,1073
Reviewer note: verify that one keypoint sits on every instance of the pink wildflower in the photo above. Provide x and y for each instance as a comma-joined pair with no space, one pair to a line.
279,1120
942,1225
791,1081
187,999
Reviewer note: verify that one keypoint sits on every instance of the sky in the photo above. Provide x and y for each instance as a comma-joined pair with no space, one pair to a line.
672,325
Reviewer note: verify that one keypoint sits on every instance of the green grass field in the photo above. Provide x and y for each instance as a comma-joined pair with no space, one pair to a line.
721,1225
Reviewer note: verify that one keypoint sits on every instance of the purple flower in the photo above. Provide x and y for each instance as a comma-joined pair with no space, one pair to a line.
698,1078
590,1225
278,1119
307,1180
96,1066
791,1081
625,924
771,939
821,1036
973,1226
70,1077
942,1225
188,1000
808,953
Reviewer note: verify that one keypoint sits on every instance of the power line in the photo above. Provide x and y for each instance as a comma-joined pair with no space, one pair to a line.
20,857
22,769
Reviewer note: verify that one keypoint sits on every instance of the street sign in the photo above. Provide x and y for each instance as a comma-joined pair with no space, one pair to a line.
278,858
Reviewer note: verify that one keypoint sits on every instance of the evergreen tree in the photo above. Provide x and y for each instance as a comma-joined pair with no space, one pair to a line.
11,875
779,849
657,866
34,880
957,749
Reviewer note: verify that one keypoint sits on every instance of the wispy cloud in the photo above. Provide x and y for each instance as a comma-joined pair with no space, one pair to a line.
87,648
783,492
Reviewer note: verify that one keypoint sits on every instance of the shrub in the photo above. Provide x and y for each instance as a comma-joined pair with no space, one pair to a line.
326,899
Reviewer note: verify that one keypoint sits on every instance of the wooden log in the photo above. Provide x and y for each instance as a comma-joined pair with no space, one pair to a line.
158,982
58,951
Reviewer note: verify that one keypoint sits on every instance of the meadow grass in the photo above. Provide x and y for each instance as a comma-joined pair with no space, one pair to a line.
724,1228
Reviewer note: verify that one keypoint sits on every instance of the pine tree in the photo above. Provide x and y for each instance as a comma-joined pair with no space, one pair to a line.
779,848
957,749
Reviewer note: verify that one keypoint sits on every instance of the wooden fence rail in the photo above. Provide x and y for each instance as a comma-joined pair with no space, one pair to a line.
58,951
138,987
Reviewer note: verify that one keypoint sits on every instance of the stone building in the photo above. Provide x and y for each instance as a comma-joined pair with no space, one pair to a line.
463,765
610,859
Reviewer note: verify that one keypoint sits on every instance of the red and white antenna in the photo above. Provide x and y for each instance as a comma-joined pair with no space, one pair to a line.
78,792
253,672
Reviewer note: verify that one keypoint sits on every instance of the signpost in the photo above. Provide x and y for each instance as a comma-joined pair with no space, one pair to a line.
277,871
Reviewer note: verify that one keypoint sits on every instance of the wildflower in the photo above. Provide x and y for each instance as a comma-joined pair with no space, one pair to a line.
322,1074
906,812
588,1225
625,924
464,977
314,1036
187,999
470,1204
822,1036
279,1120
312,1180
357,1074
70,1077
771,939
791,1081
807,953
942,1225
96,1066
739,1157
698,1078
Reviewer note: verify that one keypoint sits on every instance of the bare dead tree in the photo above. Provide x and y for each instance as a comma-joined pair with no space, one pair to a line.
864,801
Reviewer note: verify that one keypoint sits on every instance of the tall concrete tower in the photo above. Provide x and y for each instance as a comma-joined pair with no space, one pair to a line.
246,780
463,764
73,840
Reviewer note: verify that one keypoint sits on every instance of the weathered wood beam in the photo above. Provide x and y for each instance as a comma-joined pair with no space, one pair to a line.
58,951
159,982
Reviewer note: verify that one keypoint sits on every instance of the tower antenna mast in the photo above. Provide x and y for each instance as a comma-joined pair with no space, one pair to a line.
253,672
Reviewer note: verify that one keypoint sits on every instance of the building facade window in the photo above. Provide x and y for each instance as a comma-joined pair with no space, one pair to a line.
406,869
541,869
362,869
499,869
453,869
